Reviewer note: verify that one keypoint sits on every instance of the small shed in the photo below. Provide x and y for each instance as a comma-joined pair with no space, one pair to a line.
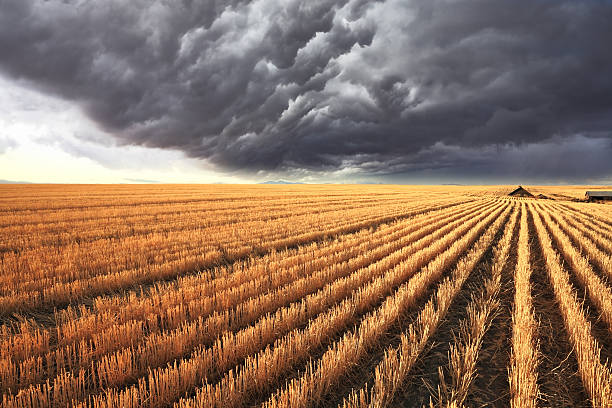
598,195
520,192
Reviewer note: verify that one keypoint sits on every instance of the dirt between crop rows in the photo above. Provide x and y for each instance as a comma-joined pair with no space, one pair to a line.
559,383
491,387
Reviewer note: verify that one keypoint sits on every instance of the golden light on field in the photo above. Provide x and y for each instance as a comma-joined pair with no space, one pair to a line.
303,296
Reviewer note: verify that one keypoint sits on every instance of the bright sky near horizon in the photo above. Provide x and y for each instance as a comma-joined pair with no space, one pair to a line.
44,139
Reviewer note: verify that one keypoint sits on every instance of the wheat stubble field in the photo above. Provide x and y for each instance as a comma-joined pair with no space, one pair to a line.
303,296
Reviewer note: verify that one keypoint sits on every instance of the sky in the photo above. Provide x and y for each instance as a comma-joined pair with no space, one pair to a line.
239,91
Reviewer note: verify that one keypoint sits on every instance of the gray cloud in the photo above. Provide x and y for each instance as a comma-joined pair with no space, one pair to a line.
6,143
571,160
384,87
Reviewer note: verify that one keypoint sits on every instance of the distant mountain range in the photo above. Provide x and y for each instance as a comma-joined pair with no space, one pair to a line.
13,182
281,182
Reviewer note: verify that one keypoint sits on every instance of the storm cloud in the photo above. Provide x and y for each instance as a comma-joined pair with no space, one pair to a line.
384,87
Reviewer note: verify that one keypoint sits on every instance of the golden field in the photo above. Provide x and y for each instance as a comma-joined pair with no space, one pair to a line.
303,296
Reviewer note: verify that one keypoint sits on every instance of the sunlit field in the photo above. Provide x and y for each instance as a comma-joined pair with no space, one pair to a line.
304,296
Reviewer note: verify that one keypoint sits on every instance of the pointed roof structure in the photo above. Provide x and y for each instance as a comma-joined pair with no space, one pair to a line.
520,192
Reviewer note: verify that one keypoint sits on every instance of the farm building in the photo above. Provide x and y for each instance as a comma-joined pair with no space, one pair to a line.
520,192
598,195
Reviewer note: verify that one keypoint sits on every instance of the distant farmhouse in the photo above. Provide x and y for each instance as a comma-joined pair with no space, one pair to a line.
520,192
598,195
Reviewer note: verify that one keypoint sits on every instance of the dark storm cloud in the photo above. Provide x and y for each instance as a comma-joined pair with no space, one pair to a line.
325,85
571,160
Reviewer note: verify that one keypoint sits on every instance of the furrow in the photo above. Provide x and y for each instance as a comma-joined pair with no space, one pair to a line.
465,352
596,376
393,370
523,375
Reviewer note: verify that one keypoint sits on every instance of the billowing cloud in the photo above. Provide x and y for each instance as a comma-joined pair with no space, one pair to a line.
383,87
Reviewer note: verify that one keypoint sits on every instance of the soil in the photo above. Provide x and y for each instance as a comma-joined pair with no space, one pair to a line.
559,383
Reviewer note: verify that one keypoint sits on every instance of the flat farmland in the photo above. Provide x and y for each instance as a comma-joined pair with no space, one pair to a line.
290,296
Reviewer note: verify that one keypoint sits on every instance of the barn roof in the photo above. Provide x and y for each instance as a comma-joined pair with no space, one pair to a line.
521,192
599,193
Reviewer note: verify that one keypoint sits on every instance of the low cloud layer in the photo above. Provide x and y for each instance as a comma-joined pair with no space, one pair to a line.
382,87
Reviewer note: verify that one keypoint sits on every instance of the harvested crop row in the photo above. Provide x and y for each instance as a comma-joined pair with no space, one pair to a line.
266,366
37,198
254,273
599,293
201,360
596,376
40,236
596,230
523,374
64,293
60,221
583,239
393,370
203,330
598,217
325,372
242,296
36,267
76,325
464,354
